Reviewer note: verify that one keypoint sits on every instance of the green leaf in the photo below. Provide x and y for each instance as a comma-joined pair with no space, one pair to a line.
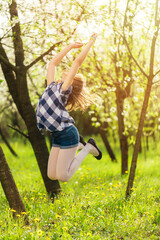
1,80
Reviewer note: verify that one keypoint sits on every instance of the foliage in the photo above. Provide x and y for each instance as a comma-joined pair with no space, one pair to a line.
52,21
92,204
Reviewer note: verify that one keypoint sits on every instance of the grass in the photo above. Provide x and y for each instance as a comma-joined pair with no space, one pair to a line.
92,204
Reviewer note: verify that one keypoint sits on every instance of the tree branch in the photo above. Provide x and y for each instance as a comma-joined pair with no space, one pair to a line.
56,44
2,110
16,30
43,55
35,88
157,72
7,63
99,69
125,40
154,39
17,130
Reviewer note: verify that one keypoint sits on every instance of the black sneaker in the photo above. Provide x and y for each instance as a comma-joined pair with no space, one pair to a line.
93,142
81,140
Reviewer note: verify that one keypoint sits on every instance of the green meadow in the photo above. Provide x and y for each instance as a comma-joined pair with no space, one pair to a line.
92,204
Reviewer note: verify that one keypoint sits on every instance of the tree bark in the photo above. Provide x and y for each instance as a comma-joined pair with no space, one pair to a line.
107,145
138,140
144,106
121,94
121,129
10,188
21,98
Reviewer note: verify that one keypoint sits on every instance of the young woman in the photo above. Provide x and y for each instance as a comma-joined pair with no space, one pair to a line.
52,115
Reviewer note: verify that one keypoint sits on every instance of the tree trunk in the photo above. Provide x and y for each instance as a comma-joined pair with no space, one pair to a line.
10,189
107,145
121,94
18,89
7,143
28,114
145,104
121,129
138,140
147,143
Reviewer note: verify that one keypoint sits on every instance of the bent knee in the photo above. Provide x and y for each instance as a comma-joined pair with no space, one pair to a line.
63,177
51,175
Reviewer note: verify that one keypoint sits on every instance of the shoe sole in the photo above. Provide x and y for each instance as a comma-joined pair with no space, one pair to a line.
93,142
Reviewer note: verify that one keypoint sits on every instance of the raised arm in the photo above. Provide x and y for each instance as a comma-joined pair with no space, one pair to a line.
57,59
77,63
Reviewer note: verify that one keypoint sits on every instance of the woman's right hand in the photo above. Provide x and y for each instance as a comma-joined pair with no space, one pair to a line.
77,45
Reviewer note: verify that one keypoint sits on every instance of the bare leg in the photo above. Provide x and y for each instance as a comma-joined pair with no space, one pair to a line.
52,162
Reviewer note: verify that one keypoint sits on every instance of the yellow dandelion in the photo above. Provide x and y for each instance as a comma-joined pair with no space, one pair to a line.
23,213
26,227
86,197
39,232
32,198
58,216
37,219
67,214
65,228
13,210
18,215
89,234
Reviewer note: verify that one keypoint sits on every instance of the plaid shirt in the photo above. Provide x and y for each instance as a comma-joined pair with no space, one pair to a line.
51,113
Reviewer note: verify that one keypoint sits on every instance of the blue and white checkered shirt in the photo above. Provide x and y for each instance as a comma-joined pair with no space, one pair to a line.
51,113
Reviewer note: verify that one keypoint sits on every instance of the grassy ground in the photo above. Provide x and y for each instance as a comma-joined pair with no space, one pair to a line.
92,204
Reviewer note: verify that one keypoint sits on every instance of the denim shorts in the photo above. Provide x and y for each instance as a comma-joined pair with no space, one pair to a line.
67,138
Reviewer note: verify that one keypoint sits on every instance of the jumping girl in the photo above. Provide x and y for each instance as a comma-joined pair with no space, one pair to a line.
52,115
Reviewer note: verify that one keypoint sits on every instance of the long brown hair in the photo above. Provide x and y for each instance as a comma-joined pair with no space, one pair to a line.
80,96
